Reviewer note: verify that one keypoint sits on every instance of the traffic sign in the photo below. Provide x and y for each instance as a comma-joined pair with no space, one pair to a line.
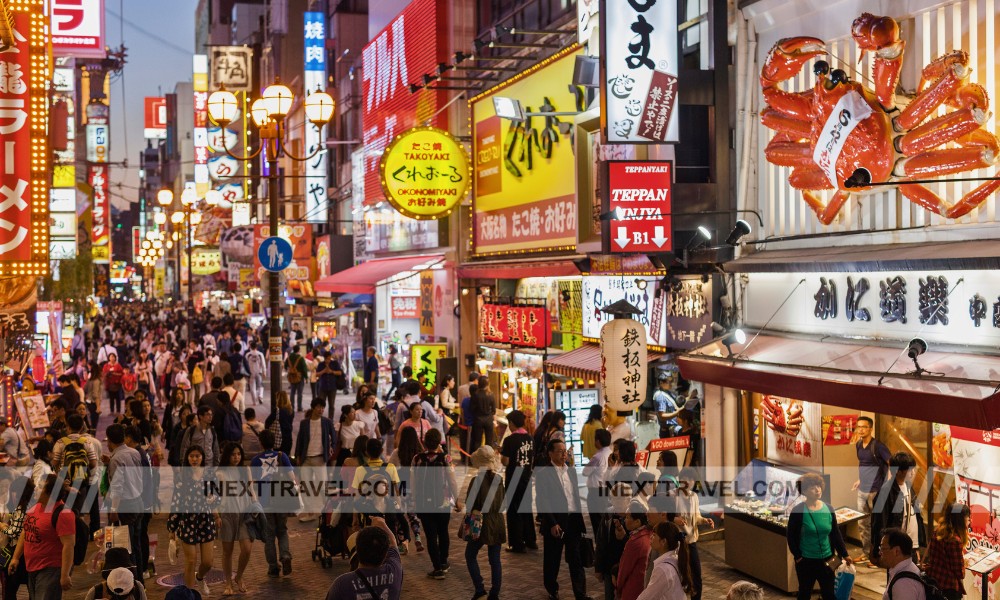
275,254
640,200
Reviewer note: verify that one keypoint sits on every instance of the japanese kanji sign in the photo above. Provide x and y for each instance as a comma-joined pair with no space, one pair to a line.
521,326
423,360
314,78
24,157
639,194
525,188
639,49
794,431
155,118
623,364
231,67
405,307
97,177
425,173
77,28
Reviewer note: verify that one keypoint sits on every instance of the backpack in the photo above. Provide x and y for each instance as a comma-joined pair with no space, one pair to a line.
197,375
384,421
75,459
256,361
430,484
232,426
244,368
130,382
251,442
294,376
148,493
82,538
275,428
931,589
174,456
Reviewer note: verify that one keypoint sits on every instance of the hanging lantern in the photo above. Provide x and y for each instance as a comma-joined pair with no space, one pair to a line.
623,359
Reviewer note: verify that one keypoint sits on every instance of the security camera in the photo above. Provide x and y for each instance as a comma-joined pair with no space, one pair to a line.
915,348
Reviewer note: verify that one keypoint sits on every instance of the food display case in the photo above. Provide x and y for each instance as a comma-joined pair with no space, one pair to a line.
758,518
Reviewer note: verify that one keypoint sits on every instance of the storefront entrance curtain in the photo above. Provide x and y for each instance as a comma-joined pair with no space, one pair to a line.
961,389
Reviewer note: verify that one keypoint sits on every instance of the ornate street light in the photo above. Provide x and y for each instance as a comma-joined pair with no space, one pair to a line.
160,218
268,114
165,197
177,218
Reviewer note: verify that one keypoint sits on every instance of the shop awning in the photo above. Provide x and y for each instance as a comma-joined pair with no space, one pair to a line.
971,255
961,389
357,299
337,312
363,278
583,363
552,267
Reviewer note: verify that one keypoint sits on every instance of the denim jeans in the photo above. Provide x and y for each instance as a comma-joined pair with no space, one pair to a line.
496,571
277,530
297,393
44,584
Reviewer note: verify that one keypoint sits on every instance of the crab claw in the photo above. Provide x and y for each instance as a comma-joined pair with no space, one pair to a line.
881,36
787,57
871,32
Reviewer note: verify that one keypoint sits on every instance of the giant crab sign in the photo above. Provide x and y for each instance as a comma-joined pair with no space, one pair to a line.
842,136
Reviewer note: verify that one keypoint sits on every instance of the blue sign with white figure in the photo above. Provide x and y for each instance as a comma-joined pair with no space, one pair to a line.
275,254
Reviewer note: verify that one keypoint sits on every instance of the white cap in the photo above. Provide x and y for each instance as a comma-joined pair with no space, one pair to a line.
120,581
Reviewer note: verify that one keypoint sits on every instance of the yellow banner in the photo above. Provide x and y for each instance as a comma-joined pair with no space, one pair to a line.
63,176
423,359
102,254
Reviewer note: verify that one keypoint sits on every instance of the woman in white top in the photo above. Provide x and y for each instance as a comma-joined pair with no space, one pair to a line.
689,509
348,429
671,578
43,463
368,414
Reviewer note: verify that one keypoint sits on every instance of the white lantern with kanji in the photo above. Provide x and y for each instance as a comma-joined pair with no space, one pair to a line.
623,364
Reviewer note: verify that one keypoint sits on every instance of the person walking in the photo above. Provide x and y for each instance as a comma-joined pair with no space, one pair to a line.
329,373
233,529
274,466
813,538
873,466
895,505
113,372
19,495
945,561
204,436
517,454
896,555
48,550
433,482
371,369
313,449
194,522
593,425
93,392
395,369
689,509
484,500
124,498
632,568
258,369
298,371
285,419
562,526
484,407
379,573
348,430
671,576
596,472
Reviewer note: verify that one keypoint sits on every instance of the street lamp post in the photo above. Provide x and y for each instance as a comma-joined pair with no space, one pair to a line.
268,113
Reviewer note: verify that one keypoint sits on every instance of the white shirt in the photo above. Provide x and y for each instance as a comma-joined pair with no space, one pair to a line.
370,419
665,582
315,447
905,589
688,507
910,525
567,485
350,433
595,469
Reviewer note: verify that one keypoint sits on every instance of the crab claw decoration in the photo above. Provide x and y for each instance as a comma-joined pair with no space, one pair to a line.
842,136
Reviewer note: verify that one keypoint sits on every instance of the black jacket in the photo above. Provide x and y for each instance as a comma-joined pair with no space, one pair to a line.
794,532
888,510
551,503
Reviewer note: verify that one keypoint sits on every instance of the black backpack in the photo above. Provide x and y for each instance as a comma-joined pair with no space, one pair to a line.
82,540
75,458
931,589
384,421
430,482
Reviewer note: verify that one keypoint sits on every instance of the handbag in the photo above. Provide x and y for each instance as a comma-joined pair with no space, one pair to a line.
587,554
117,536
471,527
197,376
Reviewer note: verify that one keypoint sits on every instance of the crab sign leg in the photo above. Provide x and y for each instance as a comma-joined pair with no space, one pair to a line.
927,199
940,130
982,139
881,35
787,57
808,178
928,100
797,105
941,65
944,161
777,120
826,213
789,154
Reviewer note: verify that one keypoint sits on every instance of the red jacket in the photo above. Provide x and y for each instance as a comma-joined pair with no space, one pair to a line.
632,567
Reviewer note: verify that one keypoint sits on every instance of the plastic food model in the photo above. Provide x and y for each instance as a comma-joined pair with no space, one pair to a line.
840,131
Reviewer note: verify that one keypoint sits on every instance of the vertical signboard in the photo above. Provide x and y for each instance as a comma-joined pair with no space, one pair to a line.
201,123
97,177
77,28
525,191
412,44
231,67
155,121
98,132
24,158
314,78
639,52
639,196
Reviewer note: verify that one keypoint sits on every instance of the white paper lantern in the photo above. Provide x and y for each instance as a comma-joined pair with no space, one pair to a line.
623,364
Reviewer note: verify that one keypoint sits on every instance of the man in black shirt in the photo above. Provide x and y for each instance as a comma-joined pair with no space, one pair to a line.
516,454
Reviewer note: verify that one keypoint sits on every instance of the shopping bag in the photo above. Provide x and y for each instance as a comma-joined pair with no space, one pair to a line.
116,536
844,581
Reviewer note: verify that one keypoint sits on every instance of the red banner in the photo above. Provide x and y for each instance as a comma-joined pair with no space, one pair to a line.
674,443
413,43
15,133
640,191
522,326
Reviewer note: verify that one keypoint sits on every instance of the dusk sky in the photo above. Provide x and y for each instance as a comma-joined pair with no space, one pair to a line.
160,40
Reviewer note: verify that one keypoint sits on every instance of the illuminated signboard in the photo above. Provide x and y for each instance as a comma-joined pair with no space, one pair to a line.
201,123
77,27
425,173
640,80
525,184
639,192
412,44
314,77
24,174
155,121
97,177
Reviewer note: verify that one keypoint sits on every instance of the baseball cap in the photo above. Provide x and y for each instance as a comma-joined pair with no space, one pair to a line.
120,581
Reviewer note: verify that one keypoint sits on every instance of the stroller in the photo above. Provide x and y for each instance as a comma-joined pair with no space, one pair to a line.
332,532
